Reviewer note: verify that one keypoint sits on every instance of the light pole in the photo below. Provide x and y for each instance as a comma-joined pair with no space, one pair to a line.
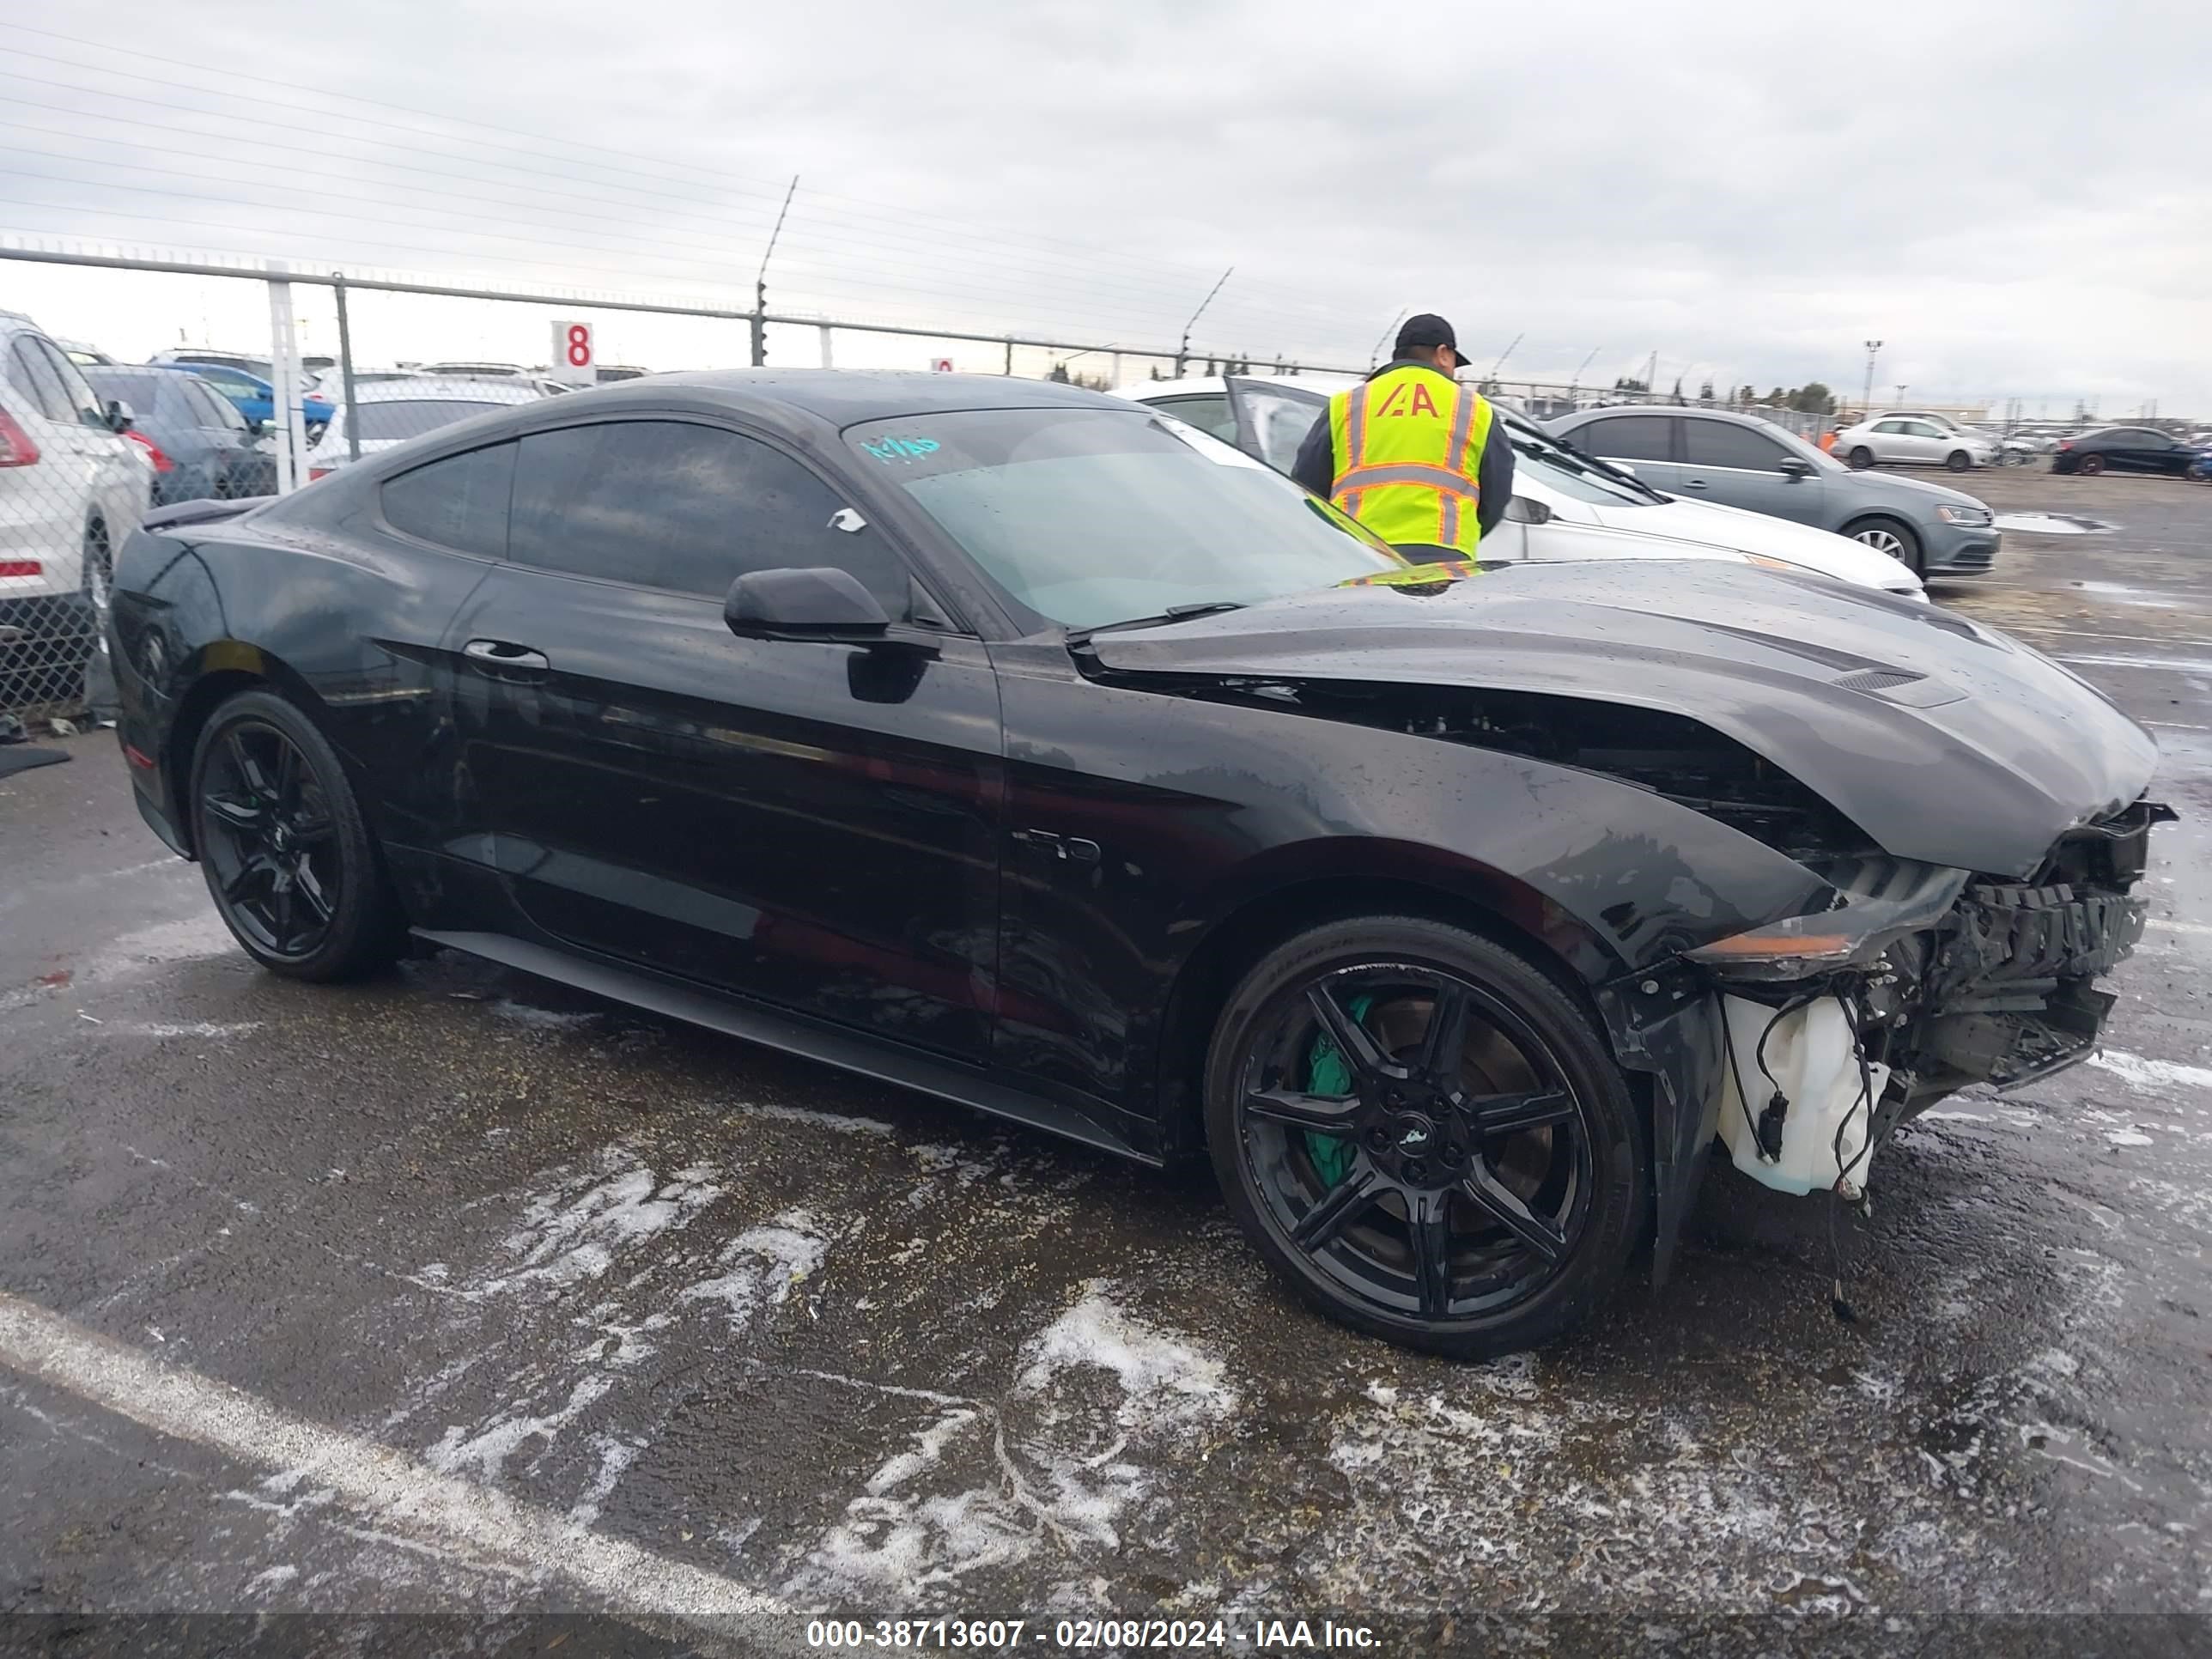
1901,394
1866,402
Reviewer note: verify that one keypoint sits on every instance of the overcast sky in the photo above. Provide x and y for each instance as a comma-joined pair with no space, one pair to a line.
2017,199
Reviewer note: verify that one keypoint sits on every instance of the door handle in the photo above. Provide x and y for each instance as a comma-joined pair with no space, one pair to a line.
501,660
1693,483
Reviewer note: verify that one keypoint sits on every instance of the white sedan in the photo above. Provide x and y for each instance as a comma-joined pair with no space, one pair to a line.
1565,505
389,412
1914,440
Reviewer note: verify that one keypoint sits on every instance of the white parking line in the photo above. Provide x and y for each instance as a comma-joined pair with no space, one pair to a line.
2172,665
452,1517
2093,634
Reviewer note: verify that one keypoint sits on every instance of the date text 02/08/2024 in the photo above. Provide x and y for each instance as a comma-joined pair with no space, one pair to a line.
1003,1635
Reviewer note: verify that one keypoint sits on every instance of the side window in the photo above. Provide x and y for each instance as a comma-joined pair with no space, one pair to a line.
1209,413
211,408
459,502
1719,443
690,508
85,407
1896,428
1280,423
30,373
1627,438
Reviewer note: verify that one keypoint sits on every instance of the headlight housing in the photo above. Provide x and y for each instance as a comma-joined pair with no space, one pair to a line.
1877,900
1975,515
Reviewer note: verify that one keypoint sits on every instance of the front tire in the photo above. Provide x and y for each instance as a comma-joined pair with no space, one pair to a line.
1862,458
1425,1135
289,859
1958,461
1890,537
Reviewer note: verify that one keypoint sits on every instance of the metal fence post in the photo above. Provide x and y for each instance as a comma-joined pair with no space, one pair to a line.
284,381
827,361
345,367
1010,357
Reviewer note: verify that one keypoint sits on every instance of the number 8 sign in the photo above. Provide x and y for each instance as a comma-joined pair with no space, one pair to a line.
573,358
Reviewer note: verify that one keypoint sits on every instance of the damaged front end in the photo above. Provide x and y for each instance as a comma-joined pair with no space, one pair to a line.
1918,980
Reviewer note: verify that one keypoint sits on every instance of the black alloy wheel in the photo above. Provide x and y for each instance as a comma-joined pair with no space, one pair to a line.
1862,458
2091,465
288,859
1425,1135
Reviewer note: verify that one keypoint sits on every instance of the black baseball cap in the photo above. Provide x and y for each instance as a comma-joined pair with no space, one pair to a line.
1423,332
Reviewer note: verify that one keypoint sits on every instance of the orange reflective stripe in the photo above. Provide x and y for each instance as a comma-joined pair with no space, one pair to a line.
1447,519
1355,427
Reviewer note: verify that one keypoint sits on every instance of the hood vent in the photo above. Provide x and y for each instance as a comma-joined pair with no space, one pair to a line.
1899,685
1877,679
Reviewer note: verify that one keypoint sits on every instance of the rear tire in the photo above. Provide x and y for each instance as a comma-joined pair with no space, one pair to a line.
1862,458
2090,465
1472,1199
1889,536
289,861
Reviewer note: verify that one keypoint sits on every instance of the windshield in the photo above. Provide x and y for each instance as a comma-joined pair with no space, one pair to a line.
1538,455
1092,516
412,417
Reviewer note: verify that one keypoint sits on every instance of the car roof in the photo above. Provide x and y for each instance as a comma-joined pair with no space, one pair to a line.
448,387
844,396
1728,415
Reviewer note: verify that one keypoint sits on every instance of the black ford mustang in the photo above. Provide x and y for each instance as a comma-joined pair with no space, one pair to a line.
1029,748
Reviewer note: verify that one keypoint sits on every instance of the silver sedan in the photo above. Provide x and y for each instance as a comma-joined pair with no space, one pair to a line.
1913,441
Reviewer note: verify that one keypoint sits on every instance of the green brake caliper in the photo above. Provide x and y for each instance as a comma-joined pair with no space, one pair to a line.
1328,1072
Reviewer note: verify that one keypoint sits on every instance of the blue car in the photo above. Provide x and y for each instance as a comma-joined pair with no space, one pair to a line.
254,397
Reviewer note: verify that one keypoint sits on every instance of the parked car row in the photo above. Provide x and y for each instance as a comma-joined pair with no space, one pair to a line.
1573,501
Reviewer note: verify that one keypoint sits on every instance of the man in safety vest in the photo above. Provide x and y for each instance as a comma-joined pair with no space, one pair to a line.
1413,455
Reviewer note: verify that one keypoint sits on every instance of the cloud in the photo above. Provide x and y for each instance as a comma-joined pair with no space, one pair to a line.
2012,200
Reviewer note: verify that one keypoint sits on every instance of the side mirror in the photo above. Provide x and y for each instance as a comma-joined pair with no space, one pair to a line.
819,604
1522,510
1794,466
119,415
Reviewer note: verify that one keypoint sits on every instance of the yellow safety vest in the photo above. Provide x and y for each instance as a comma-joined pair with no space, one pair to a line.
1407,450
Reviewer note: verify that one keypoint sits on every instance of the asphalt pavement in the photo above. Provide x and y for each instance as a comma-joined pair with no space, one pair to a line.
458,1294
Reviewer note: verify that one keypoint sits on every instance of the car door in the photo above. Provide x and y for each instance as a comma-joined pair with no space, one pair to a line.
1209,411
2149,451
1649,444
811,823
1273,420
104,477
1931,444
1740,466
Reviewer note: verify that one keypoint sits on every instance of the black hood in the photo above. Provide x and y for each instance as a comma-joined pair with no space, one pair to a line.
1943,741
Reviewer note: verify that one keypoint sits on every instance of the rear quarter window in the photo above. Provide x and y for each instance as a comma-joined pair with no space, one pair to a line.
459,502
